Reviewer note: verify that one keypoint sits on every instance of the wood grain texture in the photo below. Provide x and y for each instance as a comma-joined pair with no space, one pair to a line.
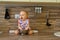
38,21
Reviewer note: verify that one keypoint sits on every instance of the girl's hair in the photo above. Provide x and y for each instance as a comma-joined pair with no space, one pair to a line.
24,11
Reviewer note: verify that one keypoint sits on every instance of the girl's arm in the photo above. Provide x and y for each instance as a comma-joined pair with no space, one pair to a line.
19,27
28,27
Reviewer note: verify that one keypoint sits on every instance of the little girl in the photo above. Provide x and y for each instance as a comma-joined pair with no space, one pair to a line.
23,24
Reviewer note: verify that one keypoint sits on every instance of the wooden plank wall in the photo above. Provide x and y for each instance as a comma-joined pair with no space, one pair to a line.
37,21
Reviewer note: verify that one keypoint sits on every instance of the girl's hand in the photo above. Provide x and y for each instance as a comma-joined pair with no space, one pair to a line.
20,28
27,28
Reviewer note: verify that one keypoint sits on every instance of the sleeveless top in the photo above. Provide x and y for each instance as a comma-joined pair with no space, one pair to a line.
24,25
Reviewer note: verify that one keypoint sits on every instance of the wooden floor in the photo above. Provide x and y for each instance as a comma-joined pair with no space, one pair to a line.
31,37
46,34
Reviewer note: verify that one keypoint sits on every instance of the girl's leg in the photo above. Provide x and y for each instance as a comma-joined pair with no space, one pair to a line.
17,32
29,30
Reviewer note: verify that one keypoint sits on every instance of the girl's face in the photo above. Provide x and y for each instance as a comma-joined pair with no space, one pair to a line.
23,15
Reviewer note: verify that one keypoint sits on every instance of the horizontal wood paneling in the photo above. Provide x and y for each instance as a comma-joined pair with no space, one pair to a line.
38,21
